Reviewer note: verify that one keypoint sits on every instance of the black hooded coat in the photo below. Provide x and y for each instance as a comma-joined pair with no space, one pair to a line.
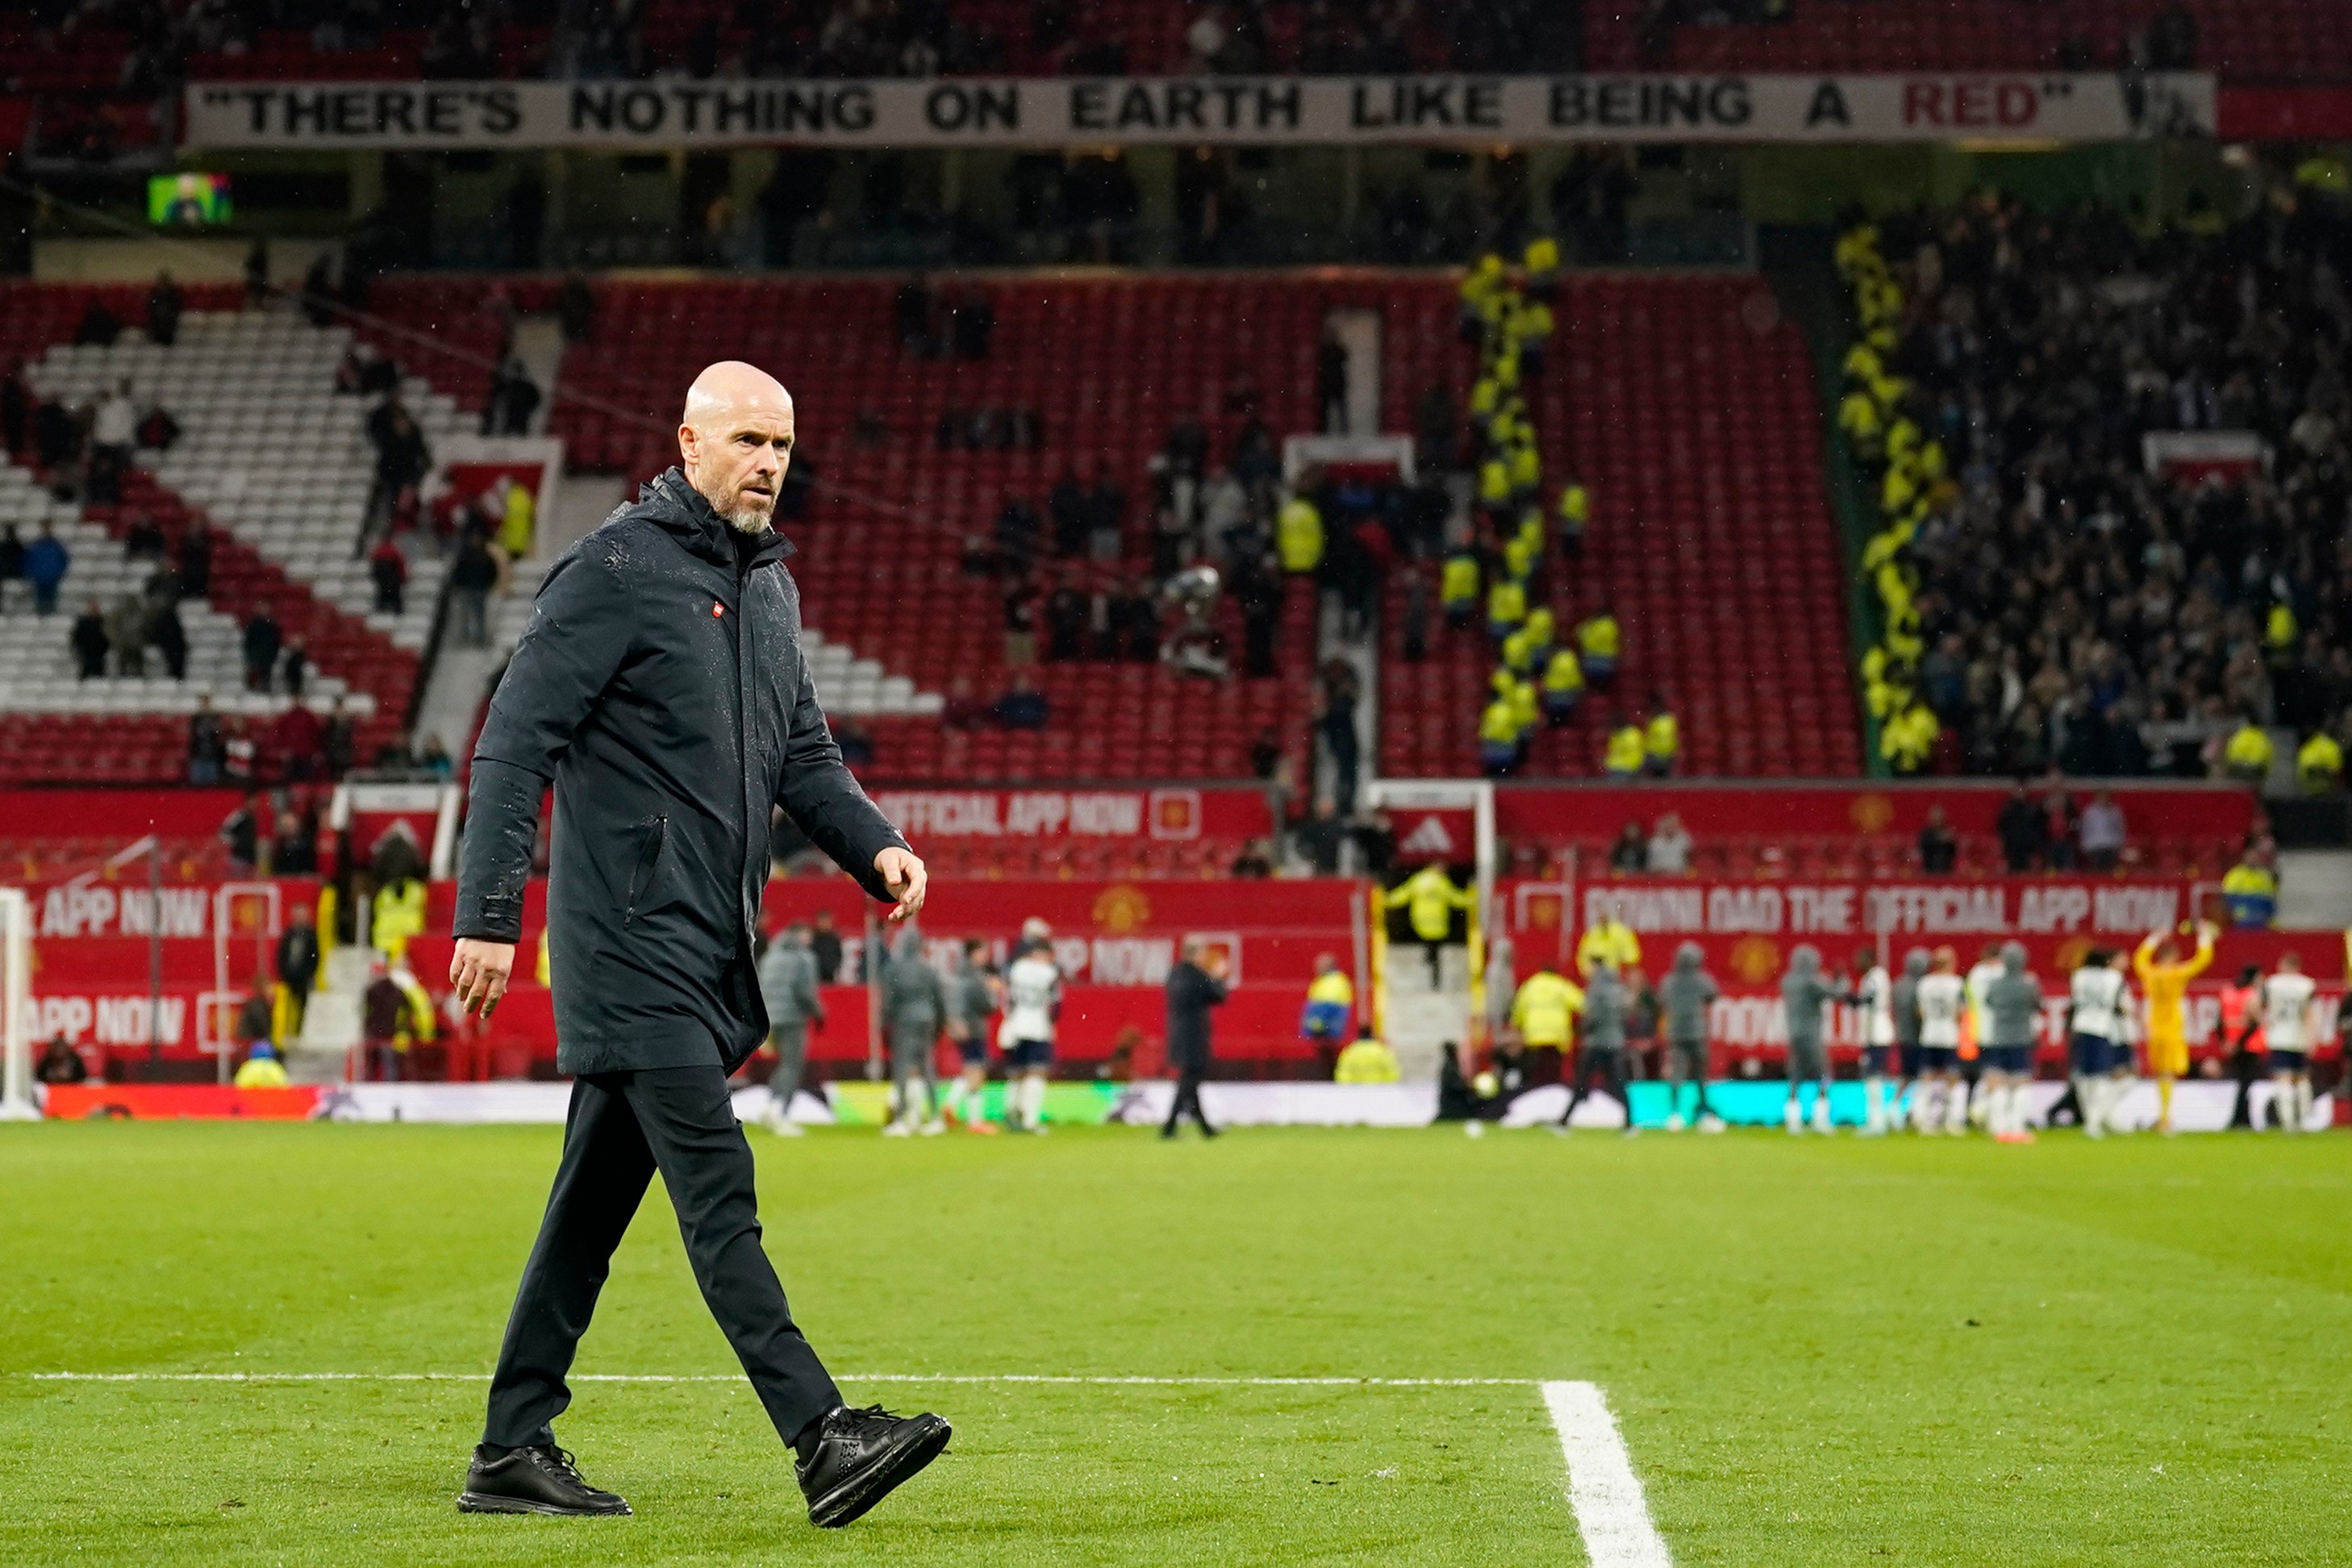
660,687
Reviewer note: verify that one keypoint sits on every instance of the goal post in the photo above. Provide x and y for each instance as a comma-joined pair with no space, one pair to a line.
17,1007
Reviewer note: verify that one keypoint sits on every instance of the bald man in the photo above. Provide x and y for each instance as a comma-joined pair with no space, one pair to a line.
661,689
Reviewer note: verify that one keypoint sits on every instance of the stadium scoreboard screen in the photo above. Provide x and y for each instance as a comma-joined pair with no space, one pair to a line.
189,200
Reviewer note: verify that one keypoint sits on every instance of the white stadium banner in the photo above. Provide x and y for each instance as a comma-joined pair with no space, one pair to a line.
1255,110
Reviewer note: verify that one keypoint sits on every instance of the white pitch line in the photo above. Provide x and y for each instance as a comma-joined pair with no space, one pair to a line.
738,1377
1603,1491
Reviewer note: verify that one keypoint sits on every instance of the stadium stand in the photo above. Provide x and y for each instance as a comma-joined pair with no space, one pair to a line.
1691,419
2059,597
280,465
883,542
2255,40
706,38
1682,415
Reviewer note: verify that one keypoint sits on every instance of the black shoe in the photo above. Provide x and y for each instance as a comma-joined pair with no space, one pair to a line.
532,1481
861,1455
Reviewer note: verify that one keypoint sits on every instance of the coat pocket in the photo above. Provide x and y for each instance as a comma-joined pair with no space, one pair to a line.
649,854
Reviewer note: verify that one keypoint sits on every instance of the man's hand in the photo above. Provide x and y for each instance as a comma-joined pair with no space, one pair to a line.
479,970
907,880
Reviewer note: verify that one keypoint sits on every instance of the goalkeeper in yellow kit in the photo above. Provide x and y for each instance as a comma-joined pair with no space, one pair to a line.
2165,975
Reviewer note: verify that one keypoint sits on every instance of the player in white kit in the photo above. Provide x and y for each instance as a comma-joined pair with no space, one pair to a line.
2098,998
1873,996
1939,1101
1033,1000
2290,1028
1976,1032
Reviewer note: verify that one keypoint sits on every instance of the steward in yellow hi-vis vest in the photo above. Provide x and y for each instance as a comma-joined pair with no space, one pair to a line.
1622,757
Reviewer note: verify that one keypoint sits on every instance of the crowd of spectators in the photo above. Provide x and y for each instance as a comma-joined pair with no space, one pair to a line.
2054,594
2166,41
475,39
298,745
82,450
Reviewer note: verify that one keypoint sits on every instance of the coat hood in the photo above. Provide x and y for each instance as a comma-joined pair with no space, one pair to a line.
669,500
2012,958
1688,957
1915,962
1806,961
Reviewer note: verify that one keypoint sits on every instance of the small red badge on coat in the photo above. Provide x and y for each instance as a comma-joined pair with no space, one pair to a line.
718,610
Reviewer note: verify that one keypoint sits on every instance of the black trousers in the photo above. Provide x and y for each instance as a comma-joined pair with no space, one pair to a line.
2246,1067
622,1127
1604,1071
1187,1101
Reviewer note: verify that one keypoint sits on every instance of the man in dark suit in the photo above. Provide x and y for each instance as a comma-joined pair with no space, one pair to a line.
660,687
1195,984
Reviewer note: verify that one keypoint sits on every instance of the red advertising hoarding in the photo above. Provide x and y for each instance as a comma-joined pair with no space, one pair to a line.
1735,812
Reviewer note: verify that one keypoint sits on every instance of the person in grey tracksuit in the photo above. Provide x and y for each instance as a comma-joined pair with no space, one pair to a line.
971,997
914,1011
2012,1004
788,989
1684,997
1907,1015
1805,994
1600,1054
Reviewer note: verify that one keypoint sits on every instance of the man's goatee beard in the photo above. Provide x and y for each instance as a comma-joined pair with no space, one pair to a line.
741,519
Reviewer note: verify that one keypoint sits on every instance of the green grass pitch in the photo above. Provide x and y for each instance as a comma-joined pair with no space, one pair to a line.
1820,1351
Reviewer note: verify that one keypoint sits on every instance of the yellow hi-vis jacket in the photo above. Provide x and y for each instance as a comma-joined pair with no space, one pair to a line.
1498,724
1429,898
1298,535
1366,1061
1507,603
1494,482
1526,708
520,523
2249,752
1335,987
1458,583
1610,940
1520,554
2319,762
1575,508
1544,1011
1519,651
1597,637
396,919
1563,675
1663,739
1623,755
261,1072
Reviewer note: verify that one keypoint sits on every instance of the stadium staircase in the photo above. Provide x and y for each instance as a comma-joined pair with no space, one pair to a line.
1420,1020
280,467
1686,407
